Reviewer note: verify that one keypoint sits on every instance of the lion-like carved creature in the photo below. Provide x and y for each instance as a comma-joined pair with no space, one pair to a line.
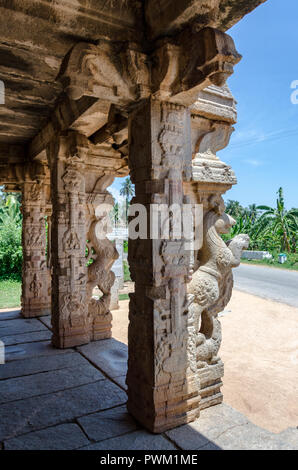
211,286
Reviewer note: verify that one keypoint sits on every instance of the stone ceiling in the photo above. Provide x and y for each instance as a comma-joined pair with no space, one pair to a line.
37,34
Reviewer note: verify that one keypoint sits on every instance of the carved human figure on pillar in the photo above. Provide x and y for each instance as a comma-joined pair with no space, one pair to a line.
35,272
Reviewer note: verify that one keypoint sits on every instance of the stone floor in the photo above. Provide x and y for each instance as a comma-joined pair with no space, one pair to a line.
75,399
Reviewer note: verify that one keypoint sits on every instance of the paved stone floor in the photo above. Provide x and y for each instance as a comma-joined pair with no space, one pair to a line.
75,399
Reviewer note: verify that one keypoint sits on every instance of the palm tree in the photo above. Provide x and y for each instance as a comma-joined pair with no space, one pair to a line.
127,190
116,213
253,212
234,208
283,223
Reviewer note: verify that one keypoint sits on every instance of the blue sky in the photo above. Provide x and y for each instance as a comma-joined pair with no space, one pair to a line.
264,147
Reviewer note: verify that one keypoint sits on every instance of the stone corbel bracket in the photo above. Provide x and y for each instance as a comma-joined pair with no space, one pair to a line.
176,69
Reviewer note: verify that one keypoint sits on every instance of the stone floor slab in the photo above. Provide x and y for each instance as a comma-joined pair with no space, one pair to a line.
34,413
20,325
10,314
29,350
137,440
47,382
121,381
107,424
108,355
224,428
46,320
26,338
40,364
290,436
62,437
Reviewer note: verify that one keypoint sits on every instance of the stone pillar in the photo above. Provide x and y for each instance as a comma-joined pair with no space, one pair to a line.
102,254
81,254
67,157
161,379
211,285
35,273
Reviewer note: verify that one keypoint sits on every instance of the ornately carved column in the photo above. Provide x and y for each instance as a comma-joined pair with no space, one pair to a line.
162,387
35,274
70,321
211,286
102,254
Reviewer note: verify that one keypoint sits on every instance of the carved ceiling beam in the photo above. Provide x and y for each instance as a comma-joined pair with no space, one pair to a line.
176,70
85,115
103,82
168,16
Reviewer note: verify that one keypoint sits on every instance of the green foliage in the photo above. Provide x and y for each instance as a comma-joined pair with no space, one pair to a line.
10,238
126,271
269,229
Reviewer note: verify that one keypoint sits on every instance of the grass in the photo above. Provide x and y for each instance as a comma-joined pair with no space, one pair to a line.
291,263
123,297
10,293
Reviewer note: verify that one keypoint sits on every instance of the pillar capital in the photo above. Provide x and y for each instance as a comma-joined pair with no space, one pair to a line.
173,69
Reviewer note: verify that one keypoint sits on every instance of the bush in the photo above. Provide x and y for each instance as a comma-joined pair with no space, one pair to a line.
10,250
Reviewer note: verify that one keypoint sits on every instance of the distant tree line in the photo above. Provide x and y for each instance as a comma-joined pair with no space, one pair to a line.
269,228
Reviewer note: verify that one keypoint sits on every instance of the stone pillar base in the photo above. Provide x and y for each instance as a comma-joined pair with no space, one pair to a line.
33,312
160,415
102,327
210,384
77,338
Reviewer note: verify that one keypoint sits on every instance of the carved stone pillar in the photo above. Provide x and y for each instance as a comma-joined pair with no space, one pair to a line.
70,321
162,387
35,273
211,286
102,254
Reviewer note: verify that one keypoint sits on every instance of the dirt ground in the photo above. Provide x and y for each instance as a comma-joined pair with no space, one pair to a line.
260,353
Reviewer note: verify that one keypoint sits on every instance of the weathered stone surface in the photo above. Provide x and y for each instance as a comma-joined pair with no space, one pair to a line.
225,428
62,437
26,338
34,365
174,333
162,388
13,327
108,424
29,350
108,355
36,287
166,17
46,320
47,382
9,315
103,253
36,413
138,440
121,381
289,436
78,189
